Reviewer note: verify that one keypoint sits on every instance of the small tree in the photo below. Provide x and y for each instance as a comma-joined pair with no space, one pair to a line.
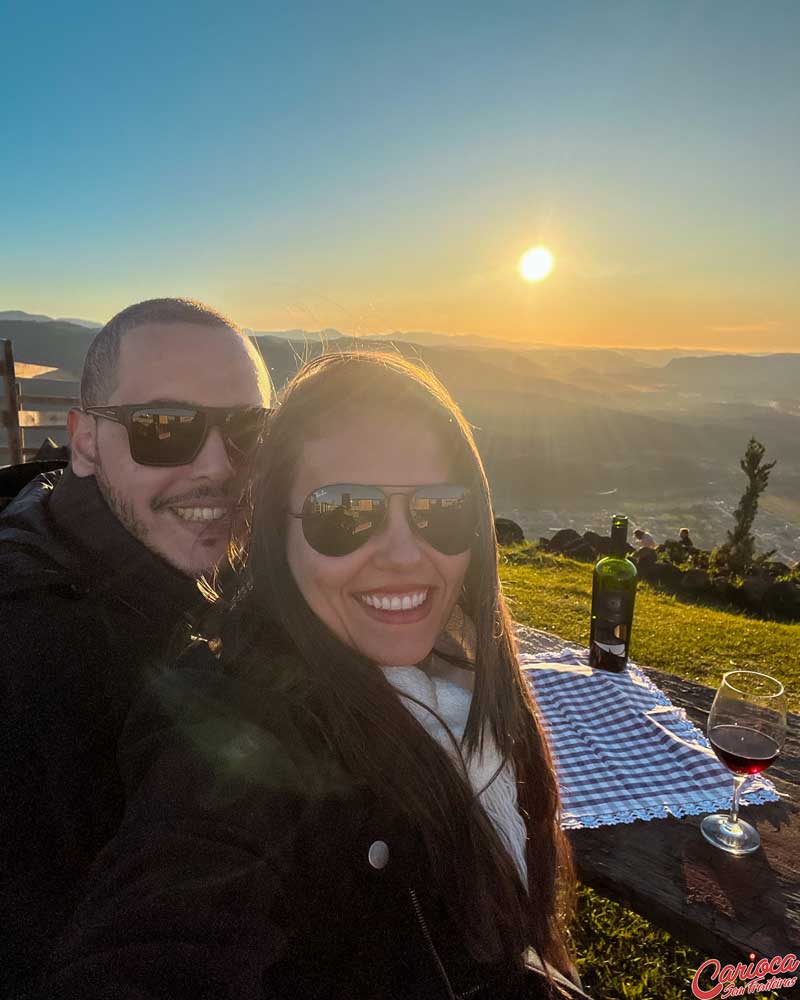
739,550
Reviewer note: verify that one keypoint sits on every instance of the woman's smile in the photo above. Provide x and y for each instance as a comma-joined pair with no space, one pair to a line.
397,606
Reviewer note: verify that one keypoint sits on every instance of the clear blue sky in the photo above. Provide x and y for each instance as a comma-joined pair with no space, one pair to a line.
382,166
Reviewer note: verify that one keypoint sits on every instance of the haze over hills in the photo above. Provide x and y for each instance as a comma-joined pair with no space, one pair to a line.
18,314
566,432
645,356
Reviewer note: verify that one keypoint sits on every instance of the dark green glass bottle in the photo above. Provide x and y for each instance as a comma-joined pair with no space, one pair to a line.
613,595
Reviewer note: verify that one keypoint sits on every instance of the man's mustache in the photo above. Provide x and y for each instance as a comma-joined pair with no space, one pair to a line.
224,498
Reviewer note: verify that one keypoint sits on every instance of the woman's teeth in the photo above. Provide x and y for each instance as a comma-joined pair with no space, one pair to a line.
200,513
397,602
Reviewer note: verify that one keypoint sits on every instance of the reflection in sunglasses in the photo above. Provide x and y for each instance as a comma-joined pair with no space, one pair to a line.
337,519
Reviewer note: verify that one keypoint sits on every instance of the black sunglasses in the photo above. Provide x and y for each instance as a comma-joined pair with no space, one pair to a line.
340,518
166,434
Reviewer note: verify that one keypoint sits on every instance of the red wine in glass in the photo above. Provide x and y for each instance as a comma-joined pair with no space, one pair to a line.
746,728
743,750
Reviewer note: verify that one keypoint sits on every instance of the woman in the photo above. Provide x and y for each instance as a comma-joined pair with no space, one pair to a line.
347,792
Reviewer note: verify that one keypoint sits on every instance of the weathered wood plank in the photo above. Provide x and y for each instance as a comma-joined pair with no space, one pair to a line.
43,418
11,408
34,402
26,370
723,905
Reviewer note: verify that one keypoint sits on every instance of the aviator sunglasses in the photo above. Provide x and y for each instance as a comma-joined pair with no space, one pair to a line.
168,434
339,519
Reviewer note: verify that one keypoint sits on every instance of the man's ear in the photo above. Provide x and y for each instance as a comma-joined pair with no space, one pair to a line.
82,429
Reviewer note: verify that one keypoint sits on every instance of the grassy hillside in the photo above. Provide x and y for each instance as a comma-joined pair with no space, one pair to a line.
622,956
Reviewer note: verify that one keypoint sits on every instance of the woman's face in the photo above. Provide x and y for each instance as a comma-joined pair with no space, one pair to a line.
380,450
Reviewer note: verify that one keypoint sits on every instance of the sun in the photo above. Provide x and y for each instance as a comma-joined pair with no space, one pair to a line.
536,263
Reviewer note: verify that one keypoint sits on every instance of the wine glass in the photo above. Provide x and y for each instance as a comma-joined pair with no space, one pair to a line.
746,728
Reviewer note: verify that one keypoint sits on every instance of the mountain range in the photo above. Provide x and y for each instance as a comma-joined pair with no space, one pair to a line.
561,426
23,317
424,338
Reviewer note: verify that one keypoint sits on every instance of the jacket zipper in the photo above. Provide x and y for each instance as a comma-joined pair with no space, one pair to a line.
470,992
431,946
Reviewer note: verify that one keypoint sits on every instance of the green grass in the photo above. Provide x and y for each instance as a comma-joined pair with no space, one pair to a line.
690,640
622,956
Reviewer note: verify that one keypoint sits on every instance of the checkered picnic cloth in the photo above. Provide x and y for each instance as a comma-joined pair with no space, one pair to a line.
623,751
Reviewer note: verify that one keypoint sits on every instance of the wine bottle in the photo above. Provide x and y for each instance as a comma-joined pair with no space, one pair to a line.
613,594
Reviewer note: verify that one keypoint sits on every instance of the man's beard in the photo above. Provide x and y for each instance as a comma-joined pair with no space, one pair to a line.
125,514
120,507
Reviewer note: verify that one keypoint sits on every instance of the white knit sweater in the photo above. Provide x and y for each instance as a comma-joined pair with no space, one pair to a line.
494,785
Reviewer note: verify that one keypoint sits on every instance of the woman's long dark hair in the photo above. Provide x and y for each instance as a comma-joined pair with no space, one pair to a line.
377,740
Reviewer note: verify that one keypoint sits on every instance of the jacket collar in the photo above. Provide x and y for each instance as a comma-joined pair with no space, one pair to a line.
111,558
32,556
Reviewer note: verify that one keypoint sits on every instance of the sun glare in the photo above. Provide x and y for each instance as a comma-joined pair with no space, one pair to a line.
536,264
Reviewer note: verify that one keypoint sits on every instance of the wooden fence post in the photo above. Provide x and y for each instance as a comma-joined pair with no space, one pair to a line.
10,414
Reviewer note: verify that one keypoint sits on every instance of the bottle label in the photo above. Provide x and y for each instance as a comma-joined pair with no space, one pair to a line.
611,617
618,649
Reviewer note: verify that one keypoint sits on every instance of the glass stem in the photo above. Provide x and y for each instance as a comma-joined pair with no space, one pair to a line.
738,781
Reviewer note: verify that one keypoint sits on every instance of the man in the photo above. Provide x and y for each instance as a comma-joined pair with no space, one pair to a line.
644,540
98,566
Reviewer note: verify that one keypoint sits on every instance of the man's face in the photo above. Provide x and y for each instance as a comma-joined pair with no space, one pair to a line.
182,513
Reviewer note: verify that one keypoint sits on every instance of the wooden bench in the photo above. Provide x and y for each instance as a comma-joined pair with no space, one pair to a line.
725,906
18,411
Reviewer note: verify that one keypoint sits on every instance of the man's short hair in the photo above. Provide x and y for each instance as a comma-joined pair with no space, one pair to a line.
99,376
638,533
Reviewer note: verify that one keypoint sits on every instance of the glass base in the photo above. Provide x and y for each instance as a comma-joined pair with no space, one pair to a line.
735,838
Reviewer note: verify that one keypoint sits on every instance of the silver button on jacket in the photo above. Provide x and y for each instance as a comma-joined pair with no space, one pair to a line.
378,854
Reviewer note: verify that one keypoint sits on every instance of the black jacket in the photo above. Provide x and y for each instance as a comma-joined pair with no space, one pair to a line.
250,867
86,613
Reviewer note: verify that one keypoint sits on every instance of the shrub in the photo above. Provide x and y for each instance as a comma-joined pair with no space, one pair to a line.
674,551
739,549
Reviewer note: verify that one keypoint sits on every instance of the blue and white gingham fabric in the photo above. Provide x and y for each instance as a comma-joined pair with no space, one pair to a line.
623,751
